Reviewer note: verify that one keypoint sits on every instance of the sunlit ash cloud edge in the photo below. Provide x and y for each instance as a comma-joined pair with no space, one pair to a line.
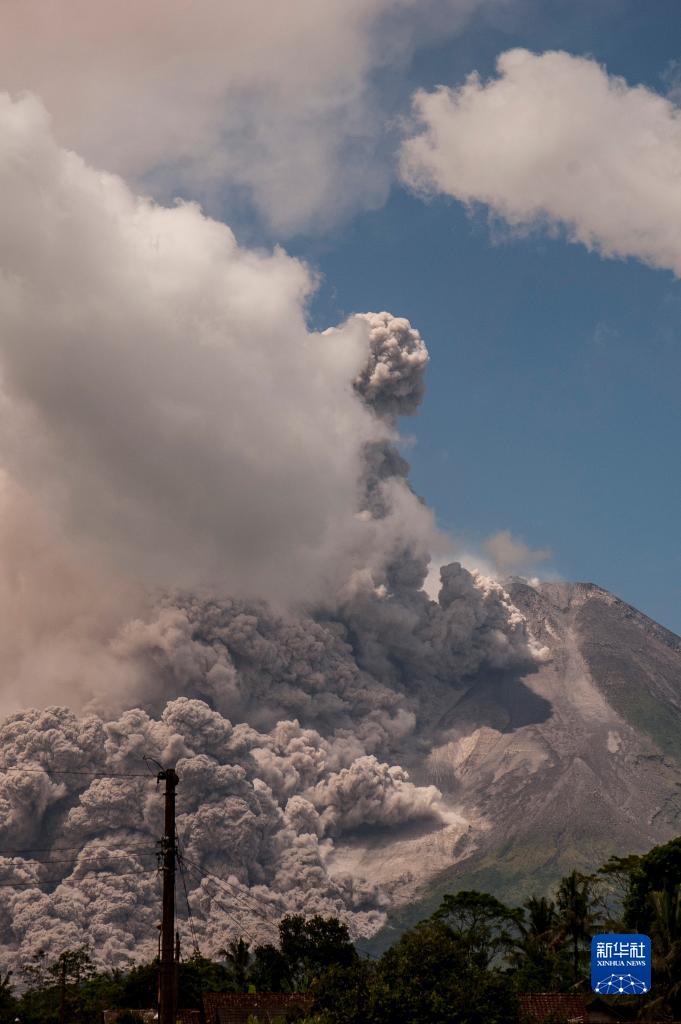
170,423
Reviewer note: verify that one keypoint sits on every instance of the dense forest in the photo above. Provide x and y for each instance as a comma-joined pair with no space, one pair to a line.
469,962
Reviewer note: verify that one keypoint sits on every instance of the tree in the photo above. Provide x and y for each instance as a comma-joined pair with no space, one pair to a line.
341,994
198,974
311,946
616,875
137,989
237,953
57,989
427,977
652,906
269,970
665,934
485,928
35,973
538,956
576,912
307,949
71,968
659,870
8,1002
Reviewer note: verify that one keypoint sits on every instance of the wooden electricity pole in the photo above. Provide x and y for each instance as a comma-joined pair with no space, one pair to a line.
168,969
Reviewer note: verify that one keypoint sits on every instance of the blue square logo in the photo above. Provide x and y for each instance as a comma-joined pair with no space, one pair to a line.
620,965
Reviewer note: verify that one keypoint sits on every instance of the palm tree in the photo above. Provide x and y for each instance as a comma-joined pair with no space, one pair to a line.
576,915
534,953
665,932
238,953
541,918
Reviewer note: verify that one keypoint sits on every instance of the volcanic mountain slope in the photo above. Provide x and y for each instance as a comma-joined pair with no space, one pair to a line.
579,760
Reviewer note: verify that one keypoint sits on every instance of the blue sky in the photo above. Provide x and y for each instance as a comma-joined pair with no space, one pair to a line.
552,407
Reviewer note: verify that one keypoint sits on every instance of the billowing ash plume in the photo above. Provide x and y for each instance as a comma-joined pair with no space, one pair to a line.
392,380
325,708
167,411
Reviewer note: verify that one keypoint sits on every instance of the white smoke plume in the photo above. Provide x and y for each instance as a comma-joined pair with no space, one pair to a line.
277,100
161,390
554,138
510,554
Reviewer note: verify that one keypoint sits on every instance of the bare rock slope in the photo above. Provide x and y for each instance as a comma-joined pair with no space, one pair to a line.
578,760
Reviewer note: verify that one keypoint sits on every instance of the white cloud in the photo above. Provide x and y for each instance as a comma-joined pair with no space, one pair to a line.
275,97
555,138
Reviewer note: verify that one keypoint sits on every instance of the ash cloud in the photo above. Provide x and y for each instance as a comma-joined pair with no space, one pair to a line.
283,755
174,433
272,848
392,381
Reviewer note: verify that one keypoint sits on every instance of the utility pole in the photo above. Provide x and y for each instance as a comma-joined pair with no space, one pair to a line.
62,990
168,970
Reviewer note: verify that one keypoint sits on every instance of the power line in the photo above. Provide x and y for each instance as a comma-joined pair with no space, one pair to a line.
82,863
73,771
186,896
235,922
231,890
63,849
61,881
237,896
255,909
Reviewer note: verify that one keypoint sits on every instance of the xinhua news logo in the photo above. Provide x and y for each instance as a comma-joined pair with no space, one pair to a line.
620,965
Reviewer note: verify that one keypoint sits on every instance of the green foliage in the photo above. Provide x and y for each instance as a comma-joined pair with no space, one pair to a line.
665,934
539,959
66,988
341,994
467,964
269,972
425,978
72,966
238,955
483,927
657,871
310,947
138,988
8,1002
577,916
307,948
652,905
197,975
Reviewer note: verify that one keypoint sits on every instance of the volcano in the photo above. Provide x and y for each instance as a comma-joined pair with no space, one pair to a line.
560,769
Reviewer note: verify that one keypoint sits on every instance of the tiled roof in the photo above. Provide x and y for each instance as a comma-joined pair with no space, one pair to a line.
237,1007
188,1017
553,1006
151,1016
148,1016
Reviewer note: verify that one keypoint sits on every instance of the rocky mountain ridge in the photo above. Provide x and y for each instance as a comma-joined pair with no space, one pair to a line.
576,761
